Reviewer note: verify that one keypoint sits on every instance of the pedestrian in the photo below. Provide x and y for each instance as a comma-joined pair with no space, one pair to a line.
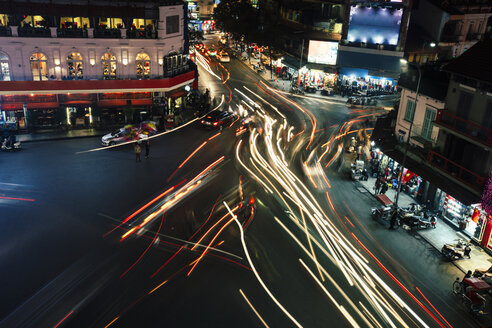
393,218
377,186
384,187
138,150
467,251
147,148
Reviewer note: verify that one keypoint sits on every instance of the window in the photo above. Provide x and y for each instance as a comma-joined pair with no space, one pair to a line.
75,22
143,65
108,62
464,104
4,67
33,21
107,22
39,67
75,66
410,112
172,24
4,20
140,23
430,116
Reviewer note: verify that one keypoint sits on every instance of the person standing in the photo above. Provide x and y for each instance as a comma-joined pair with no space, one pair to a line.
377,186
138,150
393,218
147,148
384,187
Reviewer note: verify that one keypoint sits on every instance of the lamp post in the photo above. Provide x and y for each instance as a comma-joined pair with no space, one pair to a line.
400,179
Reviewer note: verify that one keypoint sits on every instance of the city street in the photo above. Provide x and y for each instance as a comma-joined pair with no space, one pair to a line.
92,238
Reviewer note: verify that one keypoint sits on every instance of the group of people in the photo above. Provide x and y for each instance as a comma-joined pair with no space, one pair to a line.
381,186
138,150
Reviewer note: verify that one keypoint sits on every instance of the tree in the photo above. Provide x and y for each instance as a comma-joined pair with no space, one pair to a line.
237,17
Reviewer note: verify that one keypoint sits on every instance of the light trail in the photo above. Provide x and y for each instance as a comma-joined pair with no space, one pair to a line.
69,314
253,308
14,198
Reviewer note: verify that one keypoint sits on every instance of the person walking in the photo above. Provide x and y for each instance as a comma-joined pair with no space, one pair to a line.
138,150
147,148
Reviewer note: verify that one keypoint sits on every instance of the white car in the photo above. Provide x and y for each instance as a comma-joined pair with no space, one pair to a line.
224,57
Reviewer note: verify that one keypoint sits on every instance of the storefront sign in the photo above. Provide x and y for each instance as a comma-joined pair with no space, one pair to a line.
323,52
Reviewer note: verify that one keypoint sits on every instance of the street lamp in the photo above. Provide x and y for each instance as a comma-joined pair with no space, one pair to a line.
398,190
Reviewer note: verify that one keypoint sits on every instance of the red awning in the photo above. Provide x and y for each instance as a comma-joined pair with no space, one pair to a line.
42,105
78,102
141,102
112,103
175,93
383,199
12,106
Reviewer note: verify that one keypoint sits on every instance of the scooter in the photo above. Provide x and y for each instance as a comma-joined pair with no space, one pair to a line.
381,213
359,174
453,252
9,146
417,222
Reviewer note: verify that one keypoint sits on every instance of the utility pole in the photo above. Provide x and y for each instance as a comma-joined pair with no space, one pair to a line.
300,65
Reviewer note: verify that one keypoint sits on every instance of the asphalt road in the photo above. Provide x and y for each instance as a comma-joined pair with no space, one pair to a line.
64,262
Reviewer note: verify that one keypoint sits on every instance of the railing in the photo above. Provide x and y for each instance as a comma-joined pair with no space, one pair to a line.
141,34
472,130
36,32
455,170
5,31
110,33
71,33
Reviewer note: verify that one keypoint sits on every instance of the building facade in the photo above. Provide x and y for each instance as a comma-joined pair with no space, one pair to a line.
450,144
56,56
454,26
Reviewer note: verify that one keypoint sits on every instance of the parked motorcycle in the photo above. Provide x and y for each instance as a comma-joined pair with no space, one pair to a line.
9,144
297,91
417,222
453,252
381,213
359,174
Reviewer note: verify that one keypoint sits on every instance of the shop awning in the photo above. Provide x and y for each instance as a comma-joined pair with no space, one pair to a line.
12,106
141,102
42,105
112,103
175,94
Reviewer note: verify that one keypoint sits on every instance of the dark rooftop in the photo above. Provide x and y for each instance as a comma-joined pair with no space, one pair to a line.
474,63
434,82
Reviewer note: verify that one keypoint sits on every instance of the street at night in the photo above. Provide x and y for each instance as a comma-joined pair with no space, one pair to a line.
258,220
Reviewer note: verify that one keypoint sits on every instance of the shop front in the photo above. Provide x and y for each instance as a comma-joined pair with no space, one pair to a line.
357,80
313,80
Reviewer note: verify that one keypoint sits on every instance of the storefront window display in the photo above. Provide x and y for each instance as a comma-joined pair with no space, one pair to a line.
75,66
317,80
143,65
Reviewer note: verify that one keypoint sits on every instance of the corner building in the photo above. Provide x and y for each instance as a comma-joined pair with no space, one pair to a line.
63,61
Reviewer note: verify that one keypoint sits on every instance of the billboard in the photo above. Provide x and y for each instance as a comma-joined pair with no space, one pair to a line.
323,52
374,25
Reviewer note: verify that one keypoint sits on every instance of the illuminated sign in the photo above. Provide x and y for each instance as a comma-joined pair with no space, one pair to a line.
323,52
374,25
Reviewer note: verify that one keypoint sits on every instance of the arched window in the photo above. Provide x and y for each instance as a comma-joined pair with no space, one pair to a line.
108,62
75,66
39,66
143,66
4,67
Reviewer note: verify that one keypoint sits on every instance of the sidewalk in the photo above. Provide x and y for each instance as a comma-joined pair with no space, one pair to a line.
61,135
443,233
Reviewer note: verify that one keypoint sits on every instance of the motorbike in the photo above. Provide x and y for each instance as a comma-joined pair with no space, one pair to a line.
359,174
416,222
9,145
453,252
381,213
297,91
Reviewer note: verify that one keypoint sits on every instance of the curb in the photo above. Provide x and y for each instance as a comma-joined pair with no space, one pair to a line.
421,236
61,138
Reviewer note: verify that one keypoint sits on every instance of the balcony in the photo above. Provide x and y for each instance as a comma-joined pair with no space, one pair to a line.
107,33
5,31
456,171
34,32
472,131
141,34
71,33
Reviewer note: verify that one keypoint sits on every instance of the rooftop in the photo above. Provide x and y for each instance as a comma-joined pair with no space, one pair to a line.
474,63
434,82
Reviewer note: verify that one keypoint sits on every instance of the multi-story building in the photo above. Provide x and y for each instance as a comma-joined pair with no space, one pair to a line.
200,14
60,58
450,144
372,45
454,26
